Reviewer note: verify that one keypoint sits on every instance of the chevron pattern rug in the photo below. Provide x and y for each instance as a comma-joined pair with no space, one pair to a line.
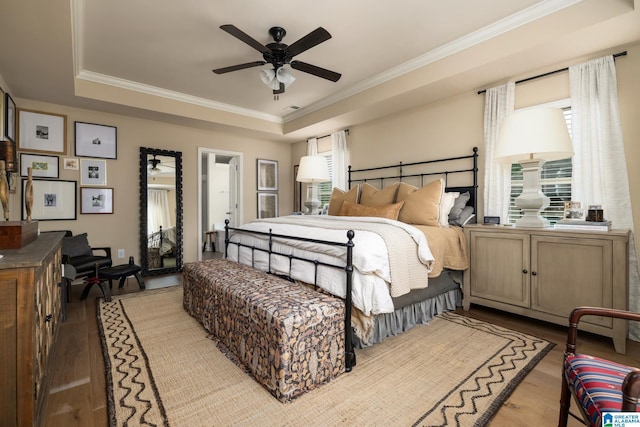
163,370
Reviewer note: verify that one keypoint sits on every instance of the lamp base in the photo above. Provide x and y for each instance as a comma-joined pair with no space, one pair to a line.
312,207
532,219
312,203
532,201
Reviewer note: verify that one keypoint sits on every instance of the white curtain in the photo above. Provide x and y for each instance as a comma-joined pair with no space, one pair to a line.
339,160
158,210
312,147
498,104
599,165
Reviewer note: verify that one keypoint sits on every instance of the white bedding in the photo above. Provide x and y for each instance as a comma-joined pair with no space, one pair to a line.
372,274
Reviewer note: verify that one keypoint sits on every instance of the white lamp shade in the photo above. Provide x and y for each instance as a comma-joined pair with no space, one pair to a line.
284,75
313,169
534,133
268,78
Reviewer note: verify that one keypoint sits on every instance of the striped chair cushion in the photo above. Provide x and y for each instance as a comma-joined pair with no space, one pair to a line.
597,384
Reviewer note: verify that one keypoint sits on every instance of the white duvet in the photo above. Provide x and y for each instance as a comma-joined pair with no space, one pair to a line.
372,274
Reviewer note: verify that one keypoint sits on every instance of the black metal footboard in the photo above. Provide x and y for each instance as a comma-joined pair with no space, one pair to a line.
350,356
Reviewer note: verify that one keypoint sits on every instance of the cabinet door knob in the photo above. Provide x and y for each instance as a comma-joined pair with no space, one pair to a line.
48,318
533,273
525,271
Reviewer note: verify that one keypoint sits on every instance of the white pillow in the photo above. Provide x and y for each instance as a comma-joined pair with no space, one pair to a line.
446,204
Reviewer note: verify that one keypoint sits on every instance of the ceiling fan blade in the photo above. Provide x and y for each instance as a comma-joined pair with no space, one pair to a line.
316,71
238,67
312,39
241,35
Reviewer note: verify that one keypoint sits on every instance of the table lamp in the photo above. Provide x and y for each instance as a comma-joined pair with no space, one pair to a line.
531,137
313,170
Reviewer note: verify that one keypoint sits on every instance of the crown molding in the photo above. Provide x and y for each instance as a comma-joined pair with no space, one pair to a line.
174,96
526,16
77,36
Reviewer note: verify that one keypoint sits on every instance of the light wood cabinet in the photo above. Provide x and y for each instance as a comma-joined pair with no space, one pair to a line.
29,314
545,273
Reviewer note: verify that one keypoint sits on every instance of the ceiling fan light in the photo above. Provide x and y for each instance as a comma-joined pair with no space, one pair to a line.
268,77
283,75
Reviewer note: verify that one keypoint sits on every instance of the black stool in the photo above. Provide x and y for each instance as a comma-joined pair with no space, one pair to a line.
120,272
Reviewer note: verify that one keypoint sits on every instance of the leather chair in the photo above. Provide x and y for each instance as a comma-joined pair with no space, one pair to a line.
85,259
598,385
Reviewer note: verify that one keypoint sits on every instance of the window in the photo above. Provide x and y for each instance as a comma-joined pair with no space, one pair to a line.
555,181
325,188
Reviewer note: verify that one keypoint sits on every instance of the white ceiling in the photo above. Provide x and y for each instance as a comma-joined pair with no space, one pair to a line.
154,58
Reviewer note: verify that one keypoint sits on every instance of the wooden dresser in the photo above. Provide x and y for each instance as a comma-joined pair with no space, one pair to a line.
545,273
29,315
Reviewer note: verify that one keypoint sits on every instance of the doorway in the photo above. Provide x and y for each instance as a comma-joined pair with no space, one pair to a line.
219,196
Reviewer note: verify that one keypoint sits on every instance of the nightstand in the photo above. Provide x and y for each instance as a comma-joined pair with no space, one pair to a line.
545,273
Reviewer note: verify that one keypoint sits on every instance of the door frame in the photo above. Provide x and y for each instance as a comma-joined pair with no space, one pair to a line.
239,186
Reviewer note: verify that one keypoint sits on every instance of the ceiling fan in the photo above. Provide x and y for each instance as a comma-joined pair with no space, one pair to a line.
279,54
153,166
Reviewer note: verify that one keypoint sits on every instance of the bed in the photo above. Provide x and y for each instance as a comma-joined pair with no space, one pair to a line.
388,297
161,247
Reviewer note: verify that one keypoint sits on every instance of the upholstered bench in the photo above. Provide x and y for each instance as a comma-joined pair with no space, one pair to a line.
289,337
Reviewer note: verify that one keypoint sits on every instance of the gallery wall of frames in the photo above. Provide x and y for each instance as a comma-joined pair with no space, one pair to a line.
35,141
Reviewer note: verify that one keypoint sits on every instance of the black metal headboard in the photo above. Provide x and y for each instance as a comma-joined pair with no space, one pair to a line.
465,168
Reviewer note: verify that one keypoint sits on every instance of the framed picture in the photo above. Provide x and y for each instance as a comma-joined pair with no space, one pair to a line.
2,113
267,205
267,175
93,172
41,165
42,132
52,200
71,163
573,211
94,140
96,200
297,191
10,118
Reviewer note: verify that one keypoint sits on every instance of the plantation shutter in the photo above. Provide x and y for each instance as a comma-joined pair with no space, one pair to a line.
325,188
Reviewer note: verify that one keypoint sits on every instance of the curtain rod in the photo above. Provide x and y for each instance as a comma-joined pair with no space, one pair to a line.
324,136
480,92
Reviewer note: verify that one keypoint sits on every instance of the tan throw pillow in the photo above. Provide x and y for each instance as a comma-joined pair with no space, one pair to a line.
338,196
388,211
421,205
371,196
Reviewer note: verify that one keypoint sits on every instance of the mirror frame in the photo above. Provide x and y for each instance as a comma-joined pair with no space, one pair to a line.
144,153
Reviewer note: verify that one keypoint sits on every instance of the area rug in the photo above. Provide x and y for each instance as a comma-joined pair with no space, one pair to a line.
163,370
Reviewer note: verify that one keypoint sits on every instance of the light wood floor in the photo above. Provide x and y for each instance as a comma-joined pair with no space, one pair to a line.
77,390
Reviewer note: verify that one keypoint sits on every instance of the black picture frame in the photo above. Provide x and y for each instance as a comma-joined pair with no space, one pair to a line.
267,175
53,200
49,165
10,118
96,140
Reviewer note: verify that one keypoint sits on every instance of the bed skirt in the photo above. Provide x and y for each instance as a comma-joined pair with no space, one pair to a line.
390,324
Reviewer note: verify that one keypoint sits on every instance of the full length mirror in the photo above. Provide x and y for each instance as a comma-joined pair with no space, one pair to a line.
160,211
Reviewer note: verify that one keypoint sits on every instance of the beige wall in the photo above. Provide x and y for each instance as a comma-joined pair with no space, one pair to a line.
454,125
120,230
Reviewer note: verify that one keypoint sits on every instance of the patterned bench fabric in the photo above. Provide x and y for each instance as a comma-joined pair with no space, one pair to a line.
288,336
597,384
